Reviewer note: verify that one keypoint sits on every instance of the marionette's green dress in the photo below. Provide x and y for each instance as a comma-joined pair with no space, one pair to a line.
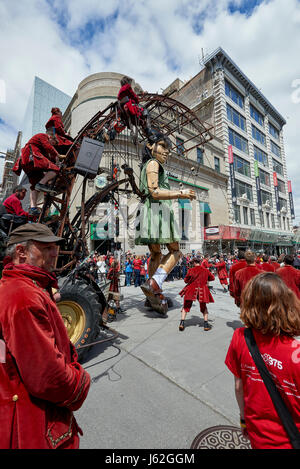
156,223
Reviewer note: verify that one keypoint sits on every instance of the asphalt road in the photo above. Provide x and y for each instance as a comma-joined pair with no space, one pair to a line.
156,387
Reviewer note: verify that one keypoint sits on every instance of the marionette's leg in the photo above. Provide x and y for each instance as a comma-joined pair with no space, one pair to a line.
167,263
204,311
155,256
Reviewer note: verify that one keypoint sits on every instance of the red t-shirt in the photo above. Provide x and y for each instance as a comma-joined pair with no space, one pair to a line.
282,357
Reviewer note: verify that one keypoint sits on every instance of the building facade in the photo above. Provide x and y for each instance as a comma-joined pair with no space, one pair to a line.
42,98
9,178
204,170
259,198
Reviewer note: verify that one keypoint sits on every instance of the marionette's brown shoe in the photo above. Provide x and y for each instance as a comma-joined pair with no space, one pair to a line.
151,287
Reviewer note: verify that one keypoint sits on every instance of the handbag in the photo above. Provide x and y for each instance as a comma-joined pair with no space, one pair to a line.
283,412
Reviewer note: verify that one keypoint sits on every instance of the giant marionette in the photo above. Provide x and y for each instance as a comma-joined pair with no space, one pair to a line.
157,224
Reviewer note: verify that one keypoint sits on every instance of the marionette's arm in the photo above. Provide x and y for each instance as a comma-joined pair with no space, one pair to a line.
164,194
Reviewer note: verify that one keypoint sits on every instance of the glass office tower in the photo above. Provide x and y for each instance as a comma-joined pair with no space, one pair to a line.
42,98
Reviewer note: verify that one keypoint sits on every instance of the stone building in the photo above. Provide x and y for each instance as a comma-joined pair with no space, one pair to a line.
250,131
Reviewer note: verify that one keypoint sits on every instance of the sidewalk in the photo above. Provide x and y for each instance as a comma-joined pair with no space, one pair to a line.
156,387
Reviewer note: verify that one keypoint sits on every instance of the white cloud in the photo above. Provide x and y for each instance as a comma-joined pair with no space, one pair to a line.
155,41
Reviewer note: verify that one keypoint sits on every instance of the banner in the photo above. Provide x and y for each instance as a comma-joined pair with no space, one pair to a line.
231,172
276,193
291,199
258,189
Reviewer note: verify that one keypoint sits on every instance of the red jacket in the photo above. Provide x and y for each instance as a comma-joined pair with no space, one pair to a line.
41,381
267,267
197,288
206,264
38,154
55,122
242,277
132,104
233,270
13,205
291,278
221,270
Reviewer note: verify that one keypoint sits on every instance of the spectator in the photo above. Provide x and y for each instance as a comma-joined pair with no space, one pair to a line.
290,275
101,268
274,263
137,263
128,271
42,382
13,204
243,276
272,311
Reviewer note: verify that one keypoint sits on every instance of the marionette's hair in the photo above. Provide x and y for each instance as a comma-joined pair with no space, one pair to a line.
125,80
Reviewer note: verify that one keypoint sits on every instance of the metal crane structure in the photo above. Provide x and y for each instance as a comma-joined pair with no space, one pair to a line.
82,302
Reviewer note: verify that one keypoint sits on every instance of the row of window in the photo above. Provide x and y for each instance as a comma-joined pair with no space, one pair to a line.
246,216
241,142
243,167
266,197
238,99
200,160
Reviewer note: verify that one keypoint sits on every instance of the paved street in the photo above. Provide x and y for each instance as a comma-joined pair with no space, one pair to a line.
156,387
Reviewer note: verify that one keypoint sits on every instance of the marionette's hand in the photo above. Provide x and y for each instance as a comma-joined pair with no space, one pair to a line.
188,194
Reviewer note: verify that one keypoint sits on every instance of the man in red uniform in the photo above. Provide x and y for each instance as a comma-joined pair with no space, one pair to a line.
243,276
290,275
274,263
42,382
240,264
222,272
266,266
13,204
197,280
39,160
205,262
55,127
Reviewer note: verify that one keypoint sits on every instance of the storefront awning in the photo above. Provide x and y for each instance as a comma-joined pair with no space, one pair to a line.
185,204
204,207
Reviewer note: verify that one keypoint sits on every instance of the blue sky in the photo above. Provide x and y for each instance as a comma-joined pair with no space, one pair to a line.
155,41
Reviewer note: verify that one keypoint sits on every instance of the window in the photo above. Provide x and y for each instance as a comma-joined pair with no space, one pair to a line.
234,94
236,118
258,135
266,198
277,167
273,131
241,166
272,220
287,224
283,219
279,221
275,149
252,216
281,186
282,203
245,214
217,164
260,156
262,221
180,146
237,140
237,214
256,115
243,188
264,178
199,155
268,219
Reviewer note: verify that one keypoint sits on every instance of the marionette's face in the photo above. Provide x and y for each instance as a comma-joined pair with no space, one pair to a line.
160,151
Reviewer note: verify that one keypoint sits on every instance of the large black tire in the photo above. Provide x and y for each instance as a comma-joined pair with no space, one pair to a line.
81,310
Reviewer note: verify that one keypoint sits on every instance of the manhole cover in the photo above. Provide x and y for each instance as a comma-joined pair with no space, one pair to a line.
221,437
